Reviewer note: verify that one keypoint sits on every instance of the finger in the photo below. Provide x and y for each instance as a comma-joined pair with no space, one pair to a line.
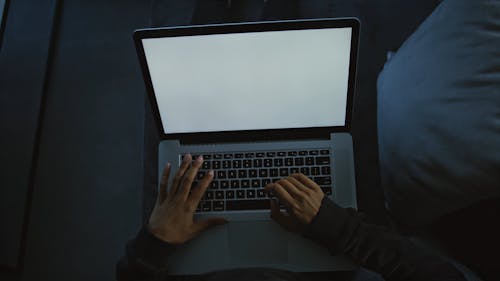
180,174
300,186
282,219
291,189
198,192
162,193
307,182
203,225
281,193
187,180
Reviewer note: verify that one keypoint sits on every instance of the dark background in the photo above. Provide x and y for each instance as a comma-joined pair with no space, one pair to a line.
77,136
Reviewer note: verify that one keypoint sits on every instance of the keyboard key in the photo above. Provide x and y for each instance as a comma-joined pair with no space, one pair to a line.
229,194
214,184
256,183
236,164
302,153
268,162
299,161
245,183
218,205
240,194
327,190
325,170
281,153
217,156
221,174
235,205
207,156
216,165
238,155
263,173
242,174
252,173
235,184
288,162
313,152
292,153
206,206
249,155
232,174
273,172
247,163
294,170
305,170
224,184
209,195
270,154
261,193
207,165
309,161
228,156
250,193
283,172
265,182
219,194
322,160
226,164
323,180
315,171
259,154
324,152
278,162
257,163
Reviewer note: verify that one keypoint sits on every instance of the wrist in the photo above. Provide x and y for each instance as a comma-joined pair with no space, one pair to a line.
148,251
163,235
331,226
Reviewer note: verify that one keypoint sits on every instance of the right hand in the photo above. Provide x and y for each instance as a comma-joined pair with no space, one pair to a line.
302,199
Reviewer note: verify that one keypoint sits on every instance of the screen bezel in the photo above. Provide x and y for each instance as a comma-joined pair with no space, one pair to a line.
250,135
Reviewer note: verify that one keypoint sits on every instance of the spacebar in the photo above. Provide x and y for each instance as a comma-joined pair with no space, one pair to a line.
238,205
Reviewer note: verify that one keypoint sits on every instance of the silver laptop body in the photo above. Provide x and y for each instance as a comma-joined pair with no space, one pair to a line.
264,87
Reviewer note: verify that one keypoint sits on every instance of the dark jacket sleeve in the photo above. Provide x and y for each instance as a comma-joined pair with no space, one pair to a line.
375,247
145,258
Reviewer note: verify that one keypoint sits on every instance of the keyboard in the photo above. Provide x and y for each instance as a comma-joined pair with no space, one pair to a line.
240,177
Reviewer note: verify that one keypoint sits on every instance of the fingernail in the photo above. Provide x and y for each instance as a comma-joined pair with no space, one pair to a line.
211,173
199,159
187,157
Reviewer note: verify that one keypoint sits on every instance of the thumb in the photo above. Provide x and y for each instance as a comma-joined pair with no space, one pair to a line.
208,223
282,219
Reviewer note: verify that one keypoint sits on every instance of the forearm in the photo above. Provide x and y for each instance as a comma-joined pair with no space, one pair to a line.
376,248
145,259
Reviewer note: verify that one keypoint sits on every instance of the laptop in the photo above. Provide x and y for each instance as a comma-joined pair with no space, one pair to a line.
258,101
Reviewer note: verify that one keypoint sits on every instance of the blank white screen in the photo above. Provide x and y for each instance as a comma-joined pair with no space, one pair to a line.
250,81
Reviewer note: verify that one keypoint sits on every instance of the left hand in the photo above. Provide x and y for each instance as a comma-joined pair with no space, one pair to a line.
172,216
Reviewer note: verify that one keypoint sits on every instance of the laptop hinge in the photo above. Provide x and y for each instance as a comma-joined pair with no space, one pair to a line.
238,137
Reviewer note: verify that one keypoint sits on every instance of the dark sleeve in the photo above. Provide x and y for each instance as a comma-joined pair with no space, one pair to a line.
145,258
375,247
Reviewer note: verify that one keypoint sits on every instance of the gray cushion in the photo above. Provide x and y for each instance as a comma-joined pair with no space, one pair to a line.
439,113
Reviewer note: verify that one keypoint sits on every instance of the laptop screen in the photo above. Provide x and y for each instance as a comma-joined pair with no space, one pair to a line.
250,81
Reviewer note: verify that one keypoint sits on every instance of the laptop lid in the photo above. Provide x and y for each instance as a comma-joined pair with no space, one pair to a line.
250,81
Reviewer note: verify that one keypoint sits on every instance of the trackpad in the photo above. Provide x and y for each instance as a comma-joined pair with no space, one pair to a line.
257,243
